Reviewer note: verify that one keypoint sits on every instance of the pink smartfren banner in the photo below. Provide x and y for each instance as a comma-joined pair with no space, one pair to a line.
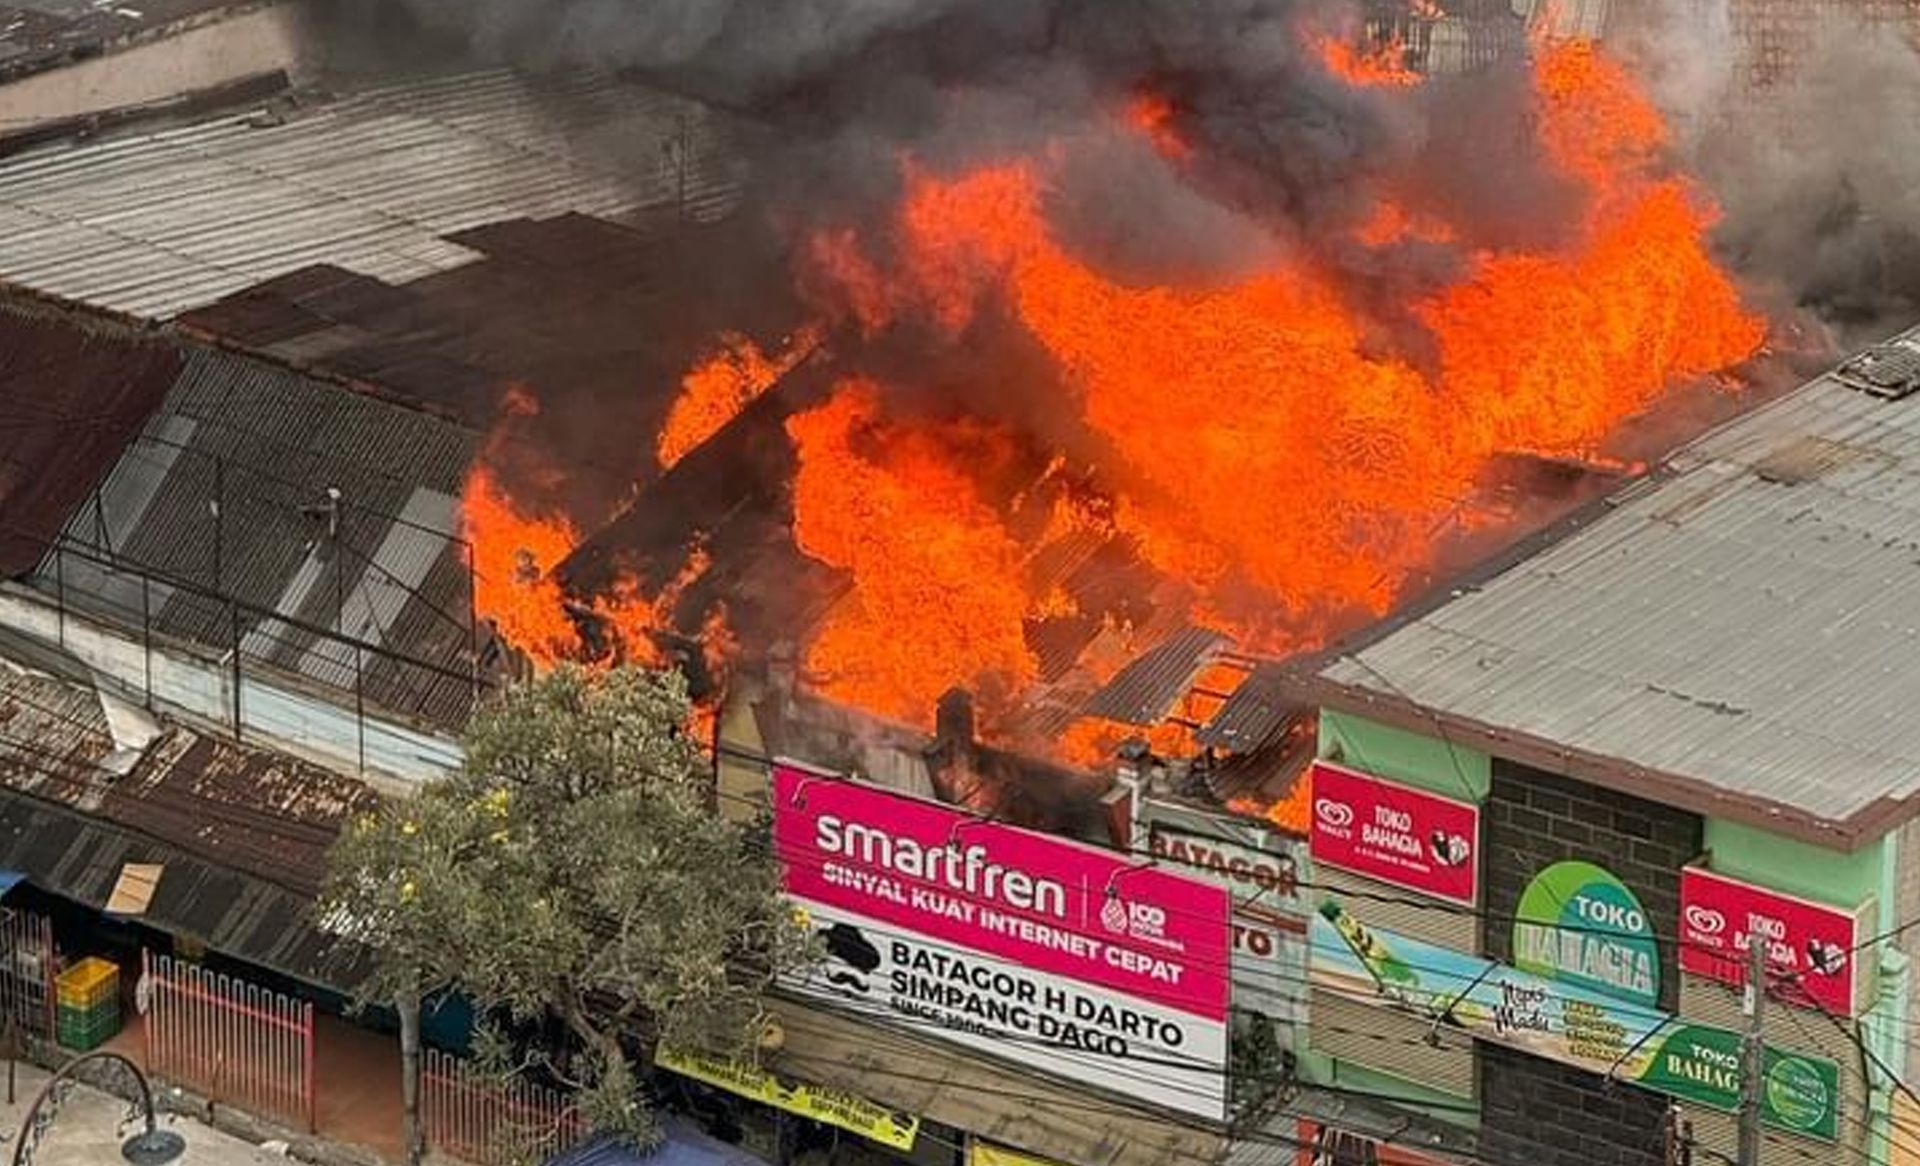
1046,904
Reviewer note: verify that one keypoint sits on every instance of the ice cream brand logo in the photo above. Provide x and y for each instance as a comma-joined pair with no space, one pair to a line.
1580,924
1335,814
1705,920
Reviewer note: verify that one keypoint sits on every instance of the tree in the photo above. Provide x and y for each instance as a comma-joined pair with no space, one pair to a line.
575,868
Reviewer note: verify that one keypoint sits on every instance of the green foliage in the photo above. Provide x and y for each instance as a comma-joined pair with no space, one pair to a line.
576,866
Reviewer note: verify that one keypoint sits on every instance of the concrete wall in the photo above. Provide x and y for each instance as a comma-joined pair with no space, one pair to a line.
221,48
199,689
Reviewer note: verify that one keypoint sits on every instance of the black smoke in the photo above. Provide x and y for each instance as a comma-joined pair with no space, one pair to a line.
1286,156
1804,130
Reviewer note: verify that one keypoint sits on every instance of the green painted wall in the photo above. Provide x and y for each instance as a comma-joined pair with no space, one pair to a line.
1413,759
1797,868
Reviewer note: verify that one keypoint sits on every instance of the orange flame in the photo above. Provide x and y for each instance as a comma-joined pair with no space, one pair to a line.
716,390
1264,447
1384,66
936,597
1153,115
512,554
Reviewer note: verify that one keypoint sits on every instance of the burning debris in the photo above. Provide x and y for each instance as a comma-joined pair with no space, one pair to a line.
1062,394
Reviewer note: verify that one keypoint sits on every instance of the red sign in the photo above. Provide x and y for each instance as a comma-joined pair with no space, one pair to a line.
1808,944
1398,835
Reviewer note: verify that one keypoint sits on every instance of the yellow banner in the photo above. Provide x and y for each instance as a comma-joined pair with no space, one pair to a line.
981,1153
869,1120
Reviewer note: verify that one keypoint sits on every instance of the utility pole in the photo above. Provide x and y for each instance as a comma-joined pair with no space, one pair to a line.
1753,1050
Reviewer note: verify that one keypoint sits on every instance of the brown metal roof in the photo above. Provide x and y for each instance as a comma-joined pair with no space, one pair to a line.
252,810
73,392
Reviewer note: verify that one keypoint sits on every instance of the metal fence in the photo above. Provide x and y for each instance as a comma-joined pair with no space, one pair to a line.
233,1041
470,1116
27,968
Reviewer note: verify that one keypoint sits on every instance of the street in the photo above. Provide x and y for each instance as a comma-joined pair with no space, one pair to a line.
87,1130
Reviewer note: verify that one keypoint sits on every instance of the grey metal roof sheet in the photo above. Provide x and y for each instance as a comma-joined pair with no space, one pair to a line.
1752,631
257,445
1144,691
160,221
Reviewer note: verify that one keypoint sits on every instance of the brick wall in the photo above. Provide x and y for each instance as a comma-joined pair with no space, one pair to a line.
1535,819
1544,1113
1538,1111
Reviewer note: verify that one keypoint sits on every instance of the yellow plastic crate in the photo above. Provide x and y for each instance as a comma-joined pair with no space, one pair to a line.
88,982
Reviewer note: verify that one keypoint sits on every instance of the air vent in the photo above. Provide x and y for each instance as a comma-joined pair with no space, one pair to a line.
1888,371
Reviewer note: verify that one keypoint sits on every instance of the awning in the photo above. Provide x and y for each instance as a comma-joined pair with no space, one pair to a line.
685,1145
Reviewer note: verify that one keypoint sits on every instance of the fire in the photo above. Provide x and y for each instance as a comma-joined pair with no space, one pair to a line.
936,597
715,392
512,554
1384,66
1391,222
1153,115
1280,466
1289,813
1261,444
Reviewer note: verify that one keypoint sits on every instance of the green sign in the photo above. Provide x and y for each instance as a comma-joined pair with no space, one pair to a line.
1563,1021
1579,925
1703,1065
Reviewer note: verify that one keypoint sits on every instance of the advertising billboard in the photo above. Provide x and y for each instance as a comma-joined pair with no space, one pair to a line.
1261,869
1565,1021
1396,834
1580,924
1809,945
1059,957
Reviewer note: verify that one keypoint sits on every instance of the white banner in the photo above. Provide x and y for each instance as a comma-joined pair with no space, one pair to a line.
1054,1025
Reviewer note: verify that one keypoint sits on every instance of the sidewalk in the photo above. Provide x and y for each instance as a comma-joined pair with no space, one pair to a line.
86,1130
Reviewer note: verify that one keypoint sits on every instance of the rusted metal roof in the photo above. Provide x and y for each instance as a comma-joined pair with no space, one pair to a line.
80,857
72,394
258,812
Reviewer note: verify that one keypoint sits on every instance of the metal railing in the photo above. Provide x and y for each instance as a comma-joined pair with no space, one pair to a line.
28,964
230,1040
470,1116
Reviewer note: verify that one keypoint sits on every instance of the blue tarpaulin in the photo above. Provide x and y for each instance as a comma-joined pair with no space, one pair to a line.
685,1145
10,879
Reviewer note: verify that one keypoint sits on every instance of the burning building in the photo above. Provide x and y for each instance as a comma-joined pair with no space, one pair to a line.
990,400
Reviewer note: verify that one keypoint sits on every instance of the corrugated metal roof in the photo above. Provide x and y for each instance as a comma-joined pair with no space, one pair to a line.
1727,623
80,858
158,222
221,494
256,811
1145,690
1260,707
56,445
